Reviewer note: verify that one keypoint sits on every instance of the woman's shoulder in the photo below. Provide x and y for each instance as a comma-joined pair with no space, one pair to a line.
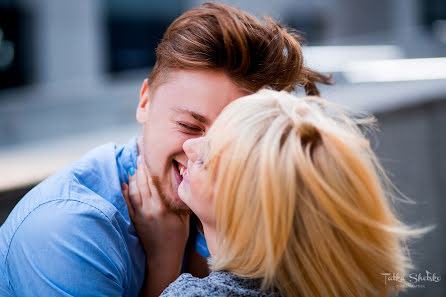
218,283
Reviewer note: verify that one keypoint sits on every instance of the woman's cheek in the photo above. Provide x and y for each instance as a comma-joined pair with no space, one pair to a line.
202,195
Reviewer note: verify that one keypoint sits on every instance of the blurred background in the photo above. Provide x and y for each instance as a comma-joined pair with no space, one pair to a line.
71,71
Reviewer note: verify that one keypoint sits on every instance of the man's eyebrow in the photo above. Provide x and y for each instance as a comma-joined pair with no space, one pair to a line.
202,119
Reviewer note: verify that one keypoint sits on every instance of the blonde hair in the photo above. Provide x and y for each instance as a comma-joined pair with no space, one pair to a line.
301,199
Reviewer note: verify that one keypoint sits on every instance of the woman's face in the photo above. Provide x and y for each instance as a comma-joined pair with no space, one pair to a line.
194,189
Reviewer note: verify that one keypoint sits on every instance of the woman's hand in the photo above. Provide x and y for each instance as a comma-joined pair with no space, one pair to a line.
163,234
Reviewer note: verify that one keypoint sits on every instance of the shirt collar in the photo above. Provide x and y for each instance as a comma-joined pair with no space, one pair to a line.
126,158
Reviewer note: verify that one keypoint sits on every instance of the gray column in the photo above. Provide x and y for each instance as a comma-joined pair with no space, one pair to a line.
406,16
68,39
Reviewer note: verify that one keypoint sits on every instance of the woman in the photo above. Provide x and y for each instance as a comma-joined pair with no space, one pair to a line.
292,200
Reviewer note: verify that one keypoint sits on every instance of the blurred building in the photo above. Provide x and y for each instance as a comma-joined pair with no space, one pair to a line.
70,73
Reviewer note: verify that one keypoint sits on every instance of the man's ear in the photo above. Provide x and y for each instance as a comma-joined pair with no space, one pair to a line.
144,104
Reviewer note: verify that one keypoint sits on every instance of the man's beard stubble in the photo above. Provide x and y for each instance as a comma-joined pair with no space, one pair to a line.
156,180
166,202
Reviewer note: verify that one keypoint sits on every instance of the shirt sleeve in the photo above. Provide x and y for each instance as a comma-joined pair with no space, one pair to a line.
66,248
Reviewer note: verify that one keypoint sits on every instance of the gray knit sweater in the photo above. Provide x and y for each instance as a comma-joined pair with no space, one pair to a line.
217,284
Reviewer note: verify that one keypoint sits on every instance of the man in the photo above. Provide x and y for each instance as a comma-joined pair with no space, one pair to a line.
71,235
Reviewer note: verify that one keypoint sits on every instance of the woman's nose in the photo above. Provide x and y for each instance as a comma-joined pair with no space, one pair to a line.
191,147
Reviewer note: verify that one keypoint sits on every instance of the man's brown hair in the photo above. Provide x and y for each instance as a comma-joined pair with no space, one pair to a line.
253,53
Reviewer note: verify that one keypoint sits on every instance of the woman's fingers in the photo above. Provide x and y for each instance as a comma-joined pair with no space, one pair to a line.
134,195
153,189
155,203
125,193
141,181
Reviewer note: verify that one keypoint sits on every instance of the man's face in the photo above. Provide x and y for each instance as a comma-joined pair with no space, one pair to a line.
184,107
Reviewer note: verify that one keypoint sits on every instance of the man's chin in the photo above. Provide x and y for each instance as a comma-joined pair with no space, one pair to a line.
177,206
172,203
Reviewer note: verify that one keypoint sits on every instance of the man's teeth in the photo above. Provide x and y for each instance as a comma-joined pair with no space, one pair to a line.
182,169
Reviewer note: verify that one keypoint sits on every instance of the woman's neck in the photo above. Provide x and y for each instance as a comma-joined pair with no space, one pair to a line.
211,238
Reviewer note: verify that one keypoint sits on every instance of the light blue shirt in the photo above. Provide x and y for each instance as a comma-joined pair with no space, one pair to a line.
71,235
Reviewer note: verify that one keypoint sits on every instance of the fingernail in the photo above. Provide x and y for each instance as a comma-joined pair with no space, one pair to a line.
132,171
123,187
139,159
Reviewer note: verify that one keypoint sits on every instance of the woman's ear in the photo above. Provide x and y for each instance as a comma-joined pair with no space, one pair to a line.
144,104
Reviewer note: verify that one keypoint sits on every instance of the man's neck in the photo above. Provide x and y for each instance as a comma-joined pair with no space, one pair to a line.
139,145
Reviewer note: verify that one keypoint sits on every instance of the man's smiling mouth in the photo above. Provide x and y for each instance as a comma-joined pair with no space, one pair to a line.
180,168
